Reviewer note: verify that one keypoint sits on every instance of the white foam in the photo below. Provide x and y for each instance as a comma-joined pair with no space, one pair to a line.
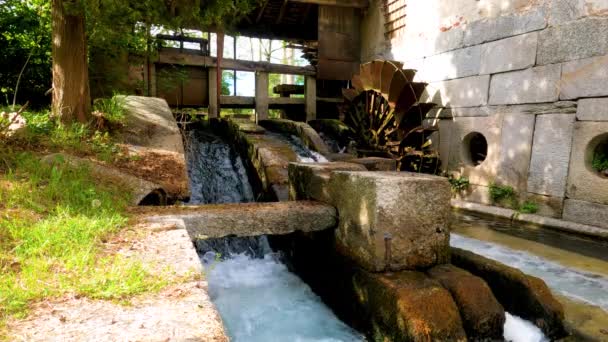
519,330
260,300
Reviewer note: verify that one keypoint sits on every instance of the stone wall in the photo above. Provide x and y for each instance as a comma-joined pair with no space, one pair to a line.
530,76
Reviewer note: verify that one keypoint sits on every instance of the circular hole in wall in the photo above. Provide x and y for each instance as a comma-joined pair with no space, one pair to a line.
596,155
475,148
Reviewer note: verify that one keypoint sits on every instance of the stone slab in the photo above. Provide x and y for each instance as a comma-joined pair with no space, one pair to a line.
584,78
392,220
584,183
376,164
310,181
520,294
589,213
491,29
551,154
454,64
592,109
535,85
563,11
463,92
572,41
509,54
249,219
515,150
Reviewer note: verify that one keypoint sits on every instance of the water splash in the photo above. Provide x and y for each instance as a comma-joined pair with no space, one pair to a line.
305,154
519,330
583,286
260,300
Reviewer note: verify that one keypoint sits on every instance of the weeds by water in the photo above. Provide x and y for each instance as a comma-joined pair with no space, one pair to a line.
55,219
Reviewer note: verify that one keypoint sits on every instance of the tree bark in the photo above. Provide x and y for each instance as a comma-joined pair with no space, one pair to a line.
71,96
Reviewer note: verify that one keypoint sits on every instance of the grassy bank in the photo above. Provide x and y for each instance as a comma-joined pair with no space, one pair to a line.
54,221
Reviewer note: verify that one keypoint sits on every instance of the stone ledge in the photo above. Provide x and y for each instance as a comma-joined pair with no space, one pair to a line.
531,219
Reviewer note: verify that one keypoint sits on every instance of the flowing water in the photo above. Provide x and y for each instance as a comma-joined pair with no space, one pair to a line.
254,292
305,154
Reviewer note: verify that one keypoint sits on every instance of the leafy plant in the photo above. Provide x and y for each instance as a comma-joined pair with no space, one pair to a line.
458,184
503,193
528,207
600,159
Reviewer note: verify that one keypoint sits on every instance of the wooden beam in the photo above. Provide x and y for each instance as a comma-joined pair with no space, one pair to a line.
306,14
282,12
173,56
339,3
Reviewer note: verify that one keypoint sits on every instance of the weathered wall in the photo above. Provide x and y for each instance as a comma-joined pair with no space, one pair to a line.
528,75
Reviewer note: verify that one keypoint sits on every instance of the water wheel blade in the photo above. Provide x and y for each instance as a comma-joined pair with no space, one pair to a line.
398,83
388,71
409,96
350,94
409,74
366,76
377,74
420,110
397,64
357,84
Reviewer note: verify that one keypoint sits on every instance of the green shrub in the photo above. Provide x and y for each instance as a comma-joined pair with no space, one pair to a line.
458,184
111,109
600,159
528,207
503,194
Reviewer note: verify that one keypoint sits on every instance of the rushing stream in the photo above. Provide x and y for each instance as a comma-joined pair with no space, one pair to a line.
256,295
305,155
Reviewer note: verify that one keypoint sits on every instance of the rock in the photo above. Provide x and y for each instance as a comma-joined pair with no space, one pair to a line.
491,29
534,85
584,78
335,130
143,192
482,315
409,306
593,214
454,64
592,109
463,92
15,122
550,154
376,164
301,130
584,182
509,54
571,41
247,219
392,220
520,294
311,180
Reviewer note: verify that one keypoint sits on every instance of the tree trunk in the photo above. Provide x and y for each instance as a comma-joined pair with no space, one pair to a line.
71,97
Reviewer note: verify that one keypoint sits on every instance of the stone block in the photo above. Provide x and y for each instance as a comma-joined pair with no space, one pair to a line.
311,180
550,154
454,64
592,109
482,315
487,30
509,54
449,40
515,150
571,41
535,85
547,205
392,220
476,194
376,164
463,92
563,11
520,294
584,183
584,78
593,214
459,151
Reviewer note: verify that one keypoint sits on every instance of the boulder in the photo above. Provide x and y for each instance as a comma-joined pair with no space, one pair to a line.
311,180
302,130
408,306
482,315
520,294
392,220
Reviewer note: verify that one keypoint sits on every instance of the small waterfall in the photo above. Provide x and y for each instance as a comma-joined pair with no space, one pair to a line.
258,298
305,154
216,171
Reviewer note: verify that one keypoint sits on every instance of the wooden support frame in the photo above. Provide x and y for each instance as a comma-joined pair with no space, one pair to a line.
311,98
338,3
261,96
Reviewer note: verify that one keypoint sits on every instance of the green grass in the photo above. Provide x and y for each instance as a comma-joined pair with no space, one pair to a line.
458,184
53,222
528,207
600,158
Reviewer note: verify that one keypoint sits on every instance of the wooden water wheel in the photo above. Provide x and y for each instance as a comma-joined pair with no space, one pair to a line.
384,110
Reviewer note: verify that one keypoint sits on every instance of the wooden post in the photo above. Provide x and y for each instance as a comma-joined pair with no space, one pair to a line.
261,96
220,56
213,101
152,79
310,95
